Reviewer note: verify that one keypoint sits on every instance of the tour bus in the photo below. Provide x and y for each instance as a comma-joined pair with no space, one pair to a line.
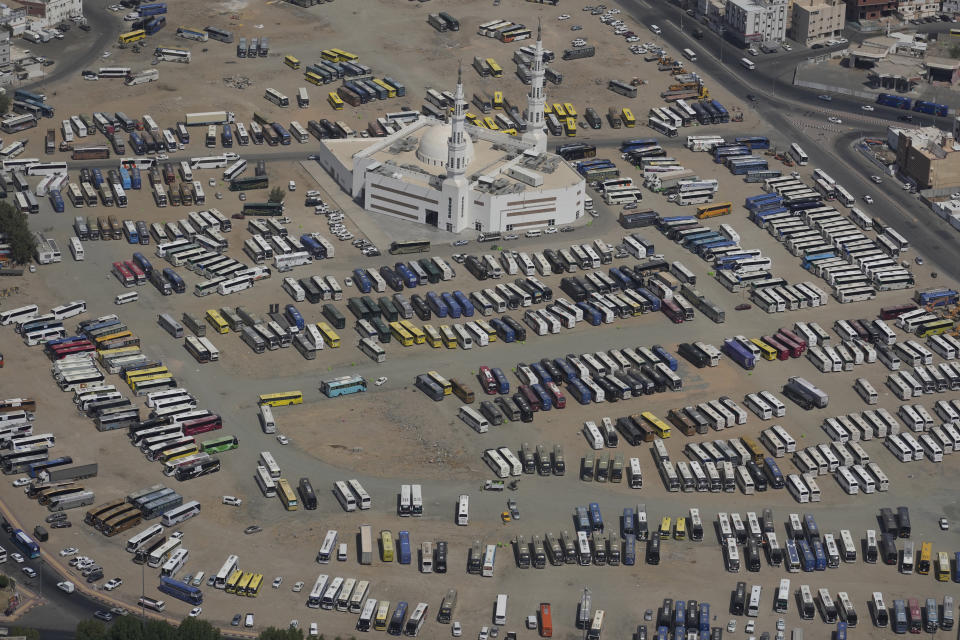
753,606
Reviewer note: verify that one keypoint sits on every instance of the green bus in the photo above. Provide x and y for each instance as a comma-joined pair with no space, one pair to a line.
219,445
249,182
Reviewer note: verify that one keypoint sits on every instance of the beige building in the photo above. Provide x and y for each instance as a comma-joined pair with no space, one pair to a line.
929,156
917,9
814,21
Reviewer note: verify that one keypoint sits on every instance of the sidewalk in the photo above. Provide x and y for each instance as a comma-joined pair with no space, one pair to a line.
28,601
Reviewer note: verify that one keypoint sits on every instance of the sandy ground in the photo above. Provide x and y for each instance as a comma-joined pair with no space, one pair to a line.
393,434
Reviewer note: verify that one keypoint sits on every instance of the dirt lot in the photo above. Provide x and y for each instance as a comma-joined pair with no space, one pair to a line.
394,434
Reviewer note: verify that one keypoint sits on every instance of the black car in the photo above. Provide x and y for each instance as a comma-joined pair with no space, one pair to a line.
817,46
61,524
906,117
236,621
751,97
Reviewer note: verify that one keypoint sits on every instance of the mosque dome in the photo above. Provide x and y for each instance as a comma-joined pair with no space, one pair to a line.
433,146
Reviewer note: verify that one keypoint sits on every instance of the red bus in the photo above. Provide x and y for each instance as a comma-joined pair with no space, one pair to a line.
888,313
59,352
546,620
137,272
531,396
783,353
672,310
559,400
487,381
202,425
787,333
795,349
124,275
913,611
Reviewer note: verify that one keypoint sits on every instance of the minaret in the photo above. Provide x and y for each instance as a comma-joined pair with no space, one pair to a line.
456,144
535,135
455,186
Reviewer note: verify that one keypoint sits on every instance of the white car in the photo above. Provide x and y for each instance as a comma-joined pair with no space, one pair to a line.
868,199
750,626
195,611
563,16
277,582
106,54
282,439
313,630
455,629
380,380
162,156
867,107
292,186
835,120
876,179
66,586
177,535
732,625
69,551
231,157
484,633
550,230
232,501
110,585
298,587
19,482
633,39
17,557
786,47
130,17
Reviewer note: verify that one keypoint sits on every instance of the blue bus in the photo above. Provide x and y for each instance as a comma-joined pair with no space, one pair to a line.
439,306
596,520
453,307
465,305
362,280
176,282
281,132
665,357
294,316
140,260
704,617
25,543
754,142
396,620
181,591
806,555
34,469
504,332
819,556
403,547
21,94
343,385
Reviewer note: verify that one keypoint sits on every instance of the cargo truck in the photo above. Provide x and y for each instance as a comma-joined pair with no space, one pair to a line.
209,117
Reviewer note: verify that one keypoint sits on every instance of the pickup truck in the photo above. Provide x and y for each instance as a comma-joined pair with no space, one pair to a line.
493,485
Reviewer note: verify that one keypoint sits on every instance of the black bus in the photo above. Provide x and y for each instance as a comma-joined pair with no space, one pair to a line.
307,496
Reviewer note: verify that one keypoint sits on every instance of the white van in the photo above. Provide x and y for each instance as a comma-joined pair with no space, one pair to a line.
657,30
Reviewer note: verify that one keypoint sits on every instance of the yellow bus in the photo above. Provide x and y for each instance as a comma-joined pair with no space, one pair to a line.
217,321
753,448
665,528
335,100
433,336
179,453
403,336
713,210
383,615
286,495
99,340
345,56
449,337
291,62
473,119
441,382
490,124
498,99
386,546
559,111
132,36
390,89
157,376
419,337
495,70
233,580
330,55
313,78
923,562
329,335
547,109
570,126
627,116
768,352
255,583
568,107
132,376
943,566
281,399
104,354
244,583
680,530
659,427
955,32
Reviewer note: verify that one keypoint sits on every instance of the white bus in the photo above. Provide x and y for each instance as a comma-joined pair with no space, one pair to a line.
416,506
175,563
76,248
798,154
496,463
753,607
20,314
463,510
266,459
363,498
780,604
235,169
690,55
139,540
489,558
473,418
181,513
327,548
798,489
229,566
276,98
342,492
316,594
748,64
267,486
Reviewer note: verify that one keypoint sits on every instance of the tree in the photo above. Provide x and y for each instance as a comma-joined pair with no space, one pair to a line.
126,628
4,102
17,231
159,630
272,633
91,630
276,195
196,629
4,582
29,634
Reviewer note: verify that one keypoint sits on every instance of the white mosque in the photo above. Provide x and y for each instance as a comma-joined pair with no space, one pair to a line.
457,177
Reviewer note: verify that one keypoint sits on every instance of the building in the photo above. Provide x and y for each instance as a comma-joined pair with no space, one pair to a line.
4,47
870,9
459,177
928,156
917,9
50,13
14,19
815,21
756,21
950,7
